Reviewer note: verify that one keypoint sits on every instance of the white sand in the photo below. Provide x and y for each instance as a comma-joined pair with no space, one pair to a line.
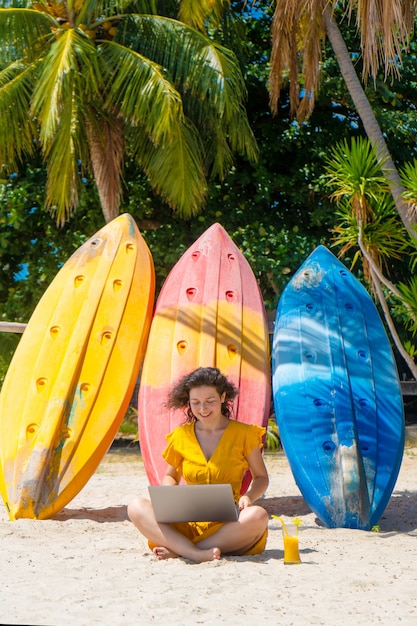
90,566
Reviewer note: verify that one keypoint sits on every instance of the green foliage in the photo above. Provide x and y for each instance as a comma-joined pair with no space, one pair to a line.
90,83
8,344
411,349
408,175
32,248
409,299
29,240
384,233
277,210
369,223
272,439
129,425
355,172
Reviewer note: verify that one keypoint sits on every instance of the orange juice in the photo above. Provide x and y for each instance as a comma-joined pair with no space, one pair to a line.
291,554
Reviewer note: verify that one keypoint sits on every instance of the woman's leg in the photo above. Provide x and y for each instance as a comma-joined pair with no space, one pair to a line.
170,542
238,537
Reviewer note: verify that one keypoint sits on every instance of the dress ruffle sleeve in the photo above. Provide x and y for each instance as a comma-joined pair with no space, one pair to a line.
254,438
171,454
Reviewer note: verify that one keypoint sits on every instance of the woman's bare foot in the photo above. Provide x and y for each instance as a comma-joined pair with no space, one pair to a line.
163,553
216,554
212,554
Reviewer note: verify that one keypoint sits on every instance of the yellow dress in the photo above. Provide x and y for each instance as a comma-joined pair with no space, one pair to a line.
227,464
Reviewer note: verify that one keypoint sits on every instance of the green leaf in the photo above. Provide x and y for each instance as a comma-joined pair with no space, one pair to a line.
140,90
355,171
70,77
196,12
408,174
24,33
17,135
174,168
409,298
95,9
206,74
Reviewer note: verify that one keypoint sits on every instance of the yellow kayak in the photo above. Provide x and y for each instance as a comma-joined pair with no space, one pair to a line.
73,373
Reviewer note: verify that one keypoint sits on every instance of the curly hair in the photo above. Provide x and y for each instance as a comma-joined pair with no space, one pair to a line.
179,396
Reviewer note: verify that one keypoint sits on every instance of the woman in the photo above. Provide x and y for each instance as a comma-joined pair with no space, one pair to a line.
209,447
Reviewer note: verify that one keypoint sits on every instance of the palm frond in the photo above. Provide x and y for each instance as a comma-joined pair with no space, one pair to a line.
218,155
15,4
239,133
385,28
196,12
95,9
207,75
16,136
174,168
298,34
28,29
221,138
190,57
62,156
70,72
140,90
70,79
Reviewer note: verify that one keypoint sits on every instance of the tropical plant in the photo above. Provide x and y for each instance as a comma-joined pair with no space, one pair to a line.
409,298
408,174
356,172
88,81
369,223
298,36
272,438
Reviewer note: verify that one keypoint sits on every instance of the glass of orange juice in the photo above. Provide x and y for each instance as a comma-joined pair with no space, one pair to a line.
290,537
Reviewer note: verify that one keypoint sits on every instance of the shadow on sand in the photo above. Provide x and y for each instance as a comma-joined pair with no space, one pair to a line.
289,505
109,514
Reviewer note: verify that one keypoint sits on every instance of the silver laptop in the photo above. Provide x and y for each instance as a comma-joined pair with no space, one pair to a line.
193,503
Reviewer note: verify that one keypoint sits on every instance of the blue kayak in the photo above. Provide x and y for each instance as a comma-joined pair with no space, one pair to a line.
337,395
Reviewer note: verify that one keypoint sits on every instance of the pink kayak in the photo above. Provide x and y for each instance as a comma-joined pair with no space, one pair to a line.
209,313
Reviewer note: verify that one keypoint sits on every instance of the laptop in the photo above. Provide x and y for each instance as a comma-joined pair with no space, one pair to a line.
193,503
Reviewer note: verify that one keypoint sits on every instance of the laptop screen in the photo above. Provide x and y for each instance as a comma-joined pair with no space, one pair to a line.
193,503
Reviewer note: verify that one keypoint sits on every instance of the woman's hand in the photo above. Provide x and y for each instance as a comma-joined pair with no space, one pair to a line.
244,502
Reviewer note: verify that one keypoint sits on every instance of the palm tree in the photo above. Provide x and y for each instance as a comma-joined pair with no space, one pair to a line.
88,82
298,35
367,221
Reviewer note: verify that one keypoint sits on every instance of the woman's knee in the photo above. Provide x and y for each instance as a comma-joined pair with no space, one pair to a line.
262,517
137,508
255,515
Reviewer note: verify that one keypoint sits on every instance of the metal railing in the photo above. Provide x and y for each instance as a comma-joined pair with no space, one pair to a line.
12,327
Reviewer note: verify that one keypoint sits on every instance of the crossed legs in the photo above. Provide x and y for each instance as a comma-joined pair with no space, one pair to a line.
233,537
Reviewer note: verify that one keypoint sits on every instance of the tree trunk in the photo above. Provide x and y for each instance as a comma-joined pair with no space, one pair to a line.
106,151
368,118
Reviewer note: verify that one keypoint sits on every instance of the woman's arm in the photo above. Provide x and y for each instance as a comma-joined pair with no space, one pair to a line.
171,476
260,479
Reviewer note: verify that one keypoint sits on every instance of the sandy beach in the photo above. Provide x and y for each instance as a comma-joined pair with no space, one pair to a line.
89,566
